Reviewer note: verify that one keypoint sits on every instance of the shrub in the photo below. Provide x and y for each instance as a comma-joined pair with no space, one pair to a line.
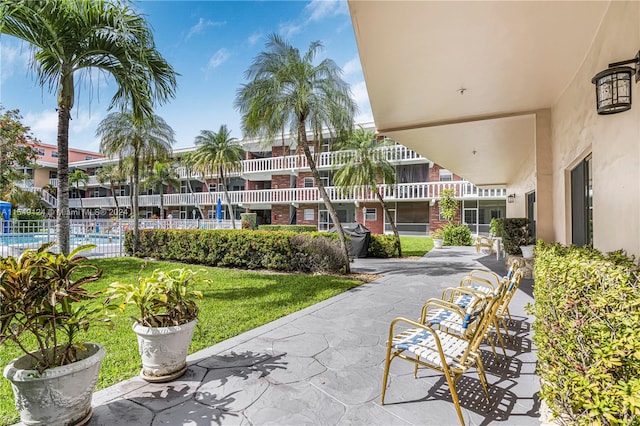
514,233
293,228
456,235
382,246
245,249
317,253
587,309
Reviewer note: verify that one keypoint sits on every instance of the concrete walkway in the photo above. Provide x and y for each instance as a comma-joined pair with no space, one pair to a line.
324,364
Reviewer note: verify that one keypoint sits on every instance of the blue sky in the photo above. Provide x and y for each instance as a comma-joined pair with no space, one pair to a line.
211,44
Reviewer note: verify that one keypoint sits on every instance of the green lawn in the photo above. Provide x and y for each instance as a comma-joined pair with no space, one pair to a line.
235,301
415,246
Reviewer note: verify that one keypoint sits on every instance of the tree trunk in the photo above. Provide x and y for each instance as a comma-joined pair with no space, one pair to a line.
391,221
136,213
63,179
115,200
226,196
302,137
191,192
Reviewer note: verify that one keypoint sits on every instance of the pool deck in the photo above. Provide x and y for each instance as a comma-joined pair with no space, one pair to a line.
323,365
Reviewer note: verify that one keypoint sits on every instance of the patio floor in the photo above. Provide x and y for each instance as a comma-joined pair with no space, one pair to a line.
323,365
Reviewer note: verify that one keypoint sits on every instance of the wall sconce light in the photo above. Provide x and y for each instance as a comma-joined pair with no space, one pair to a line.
613,86
511,198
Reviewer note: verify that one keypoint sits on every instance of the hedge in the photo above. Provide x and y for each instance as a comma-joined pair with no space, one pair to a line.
247,249
382,246
293,228
587,330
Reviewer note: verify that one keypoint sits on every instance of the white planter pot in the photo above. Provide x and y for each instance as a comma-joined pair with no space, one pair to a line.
527,251
438,244
58,396
164,350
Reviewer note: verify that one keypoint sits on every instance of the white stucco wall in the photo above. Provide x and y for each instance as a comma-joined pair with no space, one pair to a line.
614,140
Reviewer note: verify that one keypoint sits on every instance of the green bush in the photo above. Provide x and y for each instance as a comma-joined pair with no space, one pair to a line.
28,221
456,235
382,246
317,253
244,249
514,233
587,309
293,228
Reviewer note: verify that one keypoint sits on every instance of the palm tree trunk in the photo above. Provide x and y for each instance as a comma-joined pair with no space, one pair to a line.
115,200
191,192
302,137
226,196
136,213
391,221
63,178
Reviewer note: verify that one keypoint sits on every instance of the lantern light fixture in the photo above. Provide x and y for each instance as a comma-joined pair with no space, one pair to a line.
613,86
511,198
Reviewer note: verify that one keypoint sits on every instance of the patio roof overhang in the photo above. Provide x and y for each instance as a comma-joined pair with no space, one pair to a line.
459,82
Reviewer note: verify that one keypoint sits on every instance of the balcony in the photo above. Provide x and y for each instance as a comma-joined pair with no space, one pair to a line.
264,168
264,199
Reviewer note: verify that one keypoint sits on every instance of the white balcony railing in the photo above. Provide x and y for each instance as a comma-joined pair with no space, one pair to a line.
425,191
294,163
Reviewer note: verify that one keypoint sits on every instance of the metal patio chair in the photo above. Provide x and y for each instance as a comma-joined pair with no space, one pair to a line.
440,349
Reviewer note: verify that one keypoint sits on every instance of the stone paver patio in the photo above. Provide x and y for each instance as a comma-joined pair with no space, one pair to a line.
323,365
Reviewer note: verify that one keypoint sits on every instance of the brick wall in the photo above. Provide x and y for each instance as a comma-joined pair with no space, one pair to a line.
280,181
300,214
280,151
280,214
375,226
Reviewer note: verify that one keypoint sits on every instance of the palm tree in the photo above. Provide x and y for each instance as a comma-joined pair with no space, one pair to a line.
122,135
287,89
76,179
219,152
162,173
188,162
69,37
113,174
364,167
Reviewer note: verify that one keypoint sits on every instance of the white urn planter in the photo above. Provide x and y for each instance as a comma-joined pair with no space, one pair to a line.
527,251
438,243
164,350
58,396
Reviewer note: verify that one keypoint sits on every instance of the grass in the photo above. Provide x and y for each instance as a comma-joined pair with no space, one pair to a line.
415,246
235,301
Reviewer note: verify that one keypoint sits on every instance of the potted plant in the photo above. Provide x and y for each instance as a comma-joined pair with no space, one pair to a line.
41,295
437,235
167,316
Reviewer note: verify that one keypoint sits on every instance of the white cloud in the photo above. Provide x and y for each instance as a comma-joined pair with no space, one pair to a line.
289,29
352,67
44,125
202,25
218,58
81,121
12,59
320,9
254,38
361,98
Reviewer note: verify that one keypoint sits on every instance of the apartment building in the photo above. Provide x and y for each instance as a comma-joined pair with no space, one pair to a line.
275,182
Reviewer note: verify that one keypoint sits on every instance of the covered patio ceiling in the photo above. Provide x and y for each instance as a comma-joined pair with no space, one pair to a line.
458,82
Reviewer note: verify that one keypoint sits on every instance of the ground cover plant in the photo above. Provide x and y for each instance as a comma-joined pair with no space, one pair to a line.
235,301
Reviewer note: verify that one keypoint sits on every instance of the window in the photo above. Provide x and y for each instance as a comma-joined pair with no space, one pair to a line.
54,154
87,157
582,203
324,177
309,214
371,214
308,182
53,174
40,151
212,187
119,192
96,192
445,175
